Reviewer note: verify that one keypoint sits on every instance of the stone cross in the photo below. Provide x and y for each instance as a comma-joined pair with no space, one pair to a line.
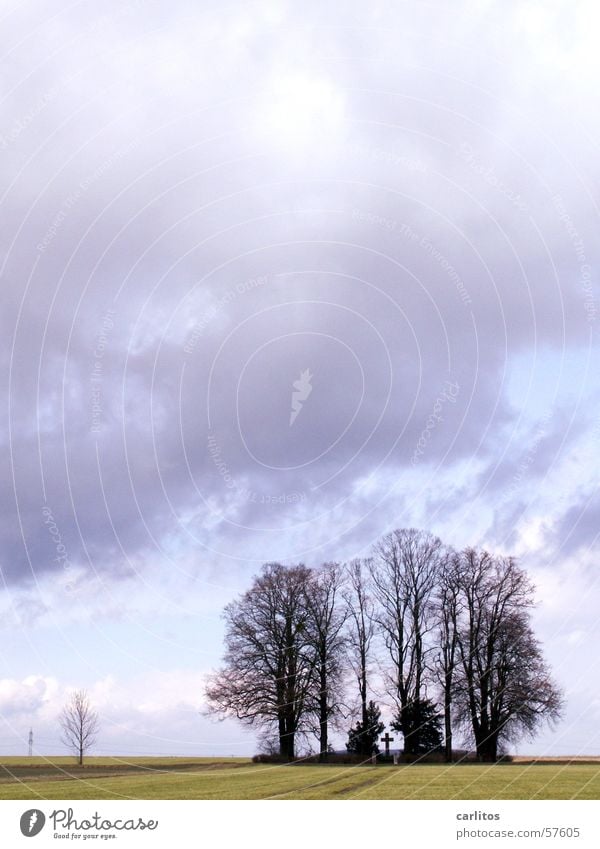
387,740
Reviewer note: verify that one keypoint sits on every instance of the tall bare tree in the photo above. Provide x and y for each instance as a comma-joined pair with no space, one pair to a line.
360,614
326,618
79,723
270,659
448,603
406,564
504,688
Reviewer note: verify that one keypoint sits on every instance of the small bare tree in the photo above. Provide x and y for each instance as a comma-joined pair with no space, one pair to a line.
80,725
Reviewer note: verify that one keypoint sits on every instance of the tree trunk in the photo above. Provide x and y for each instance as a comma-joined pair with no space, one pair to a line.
487,747
363,686
407,730
448,722
290,697
487,744
323,714
286,746
487,753
282,735
282,714
410,732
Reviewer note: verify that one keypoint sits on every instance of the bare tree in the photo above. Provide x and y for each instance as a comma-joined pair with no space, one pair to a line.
360,613
407,562
326,620
504,689
269,663
80,724
448,612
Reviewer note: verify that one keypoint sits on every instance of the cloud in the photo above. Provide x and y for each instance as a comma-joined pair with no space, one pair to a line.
390,259
156,713
24,697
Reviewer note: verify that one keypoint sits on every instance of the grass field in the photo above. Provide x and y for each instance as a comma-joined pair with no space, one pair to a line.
238,778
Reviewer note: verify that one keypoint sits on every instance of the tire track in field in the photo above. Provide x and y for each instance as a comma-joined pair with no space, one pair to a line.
349,792
327,782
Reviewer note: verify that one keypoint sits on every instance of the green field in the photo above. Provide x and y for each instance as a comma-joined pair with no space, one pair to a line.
231,778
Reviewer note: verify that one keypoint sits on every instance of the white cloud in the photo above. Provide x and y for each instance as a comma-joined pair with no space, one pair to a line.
153,713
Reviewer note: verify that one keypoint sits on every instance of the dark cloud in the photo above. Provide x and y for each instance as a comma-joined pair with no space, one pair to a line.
201,207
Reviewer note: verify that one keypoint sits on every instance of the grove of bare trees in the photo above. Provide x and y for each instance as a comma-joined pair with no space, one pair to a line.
442,638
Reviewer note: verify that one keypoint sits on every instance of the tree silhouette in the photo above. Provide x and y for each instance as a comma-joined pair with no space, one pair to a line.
269,670
503,688
302,647
420,724
80,724
325,621
406,566
361,630
362,739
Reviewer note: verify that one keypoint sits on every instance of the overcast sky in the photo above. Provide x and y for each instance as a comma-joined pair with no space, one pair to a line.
392,206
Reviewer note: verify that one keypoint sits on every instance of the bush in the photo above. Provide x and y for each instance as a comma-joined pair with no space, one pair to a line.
264,758
336,758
